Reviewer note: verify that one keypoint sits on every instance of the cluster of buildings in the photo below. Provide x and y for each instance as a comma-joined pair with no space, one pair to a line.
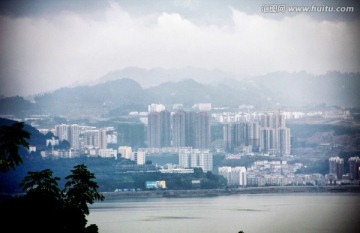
178,129
82,140
336,169
267,134
280,173
188,134
269,173
236,176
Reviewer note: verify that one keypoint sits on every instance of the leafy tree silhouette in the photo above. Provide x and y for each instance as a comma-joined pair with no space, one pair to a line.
44,208
11,139
81,188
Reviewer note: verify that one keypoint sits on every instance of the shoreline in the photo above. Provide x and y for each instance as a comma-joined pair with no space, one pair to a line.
224,192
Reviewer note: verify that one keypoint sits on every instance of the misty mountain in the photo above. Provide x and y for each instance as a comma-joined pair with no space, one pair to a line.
121,94
156,76
92,100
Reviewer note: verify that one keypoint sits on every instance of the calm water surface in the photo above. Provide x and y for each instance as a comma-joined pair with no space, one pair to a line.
275,213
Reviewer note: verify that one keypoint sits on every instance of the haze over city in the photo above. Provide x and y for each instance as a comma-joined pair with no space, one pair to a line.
252,107
46,45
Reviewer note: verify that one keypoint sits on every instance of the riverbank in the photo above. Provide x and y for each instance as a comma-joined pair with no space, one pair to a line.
221,192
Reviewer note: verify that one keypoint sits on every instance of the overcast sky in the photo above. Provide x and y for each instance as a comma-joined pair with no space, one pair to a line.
45,45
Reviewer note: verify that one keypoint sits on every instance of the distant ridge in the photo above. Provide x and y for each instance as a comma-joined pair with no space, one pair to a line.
121,91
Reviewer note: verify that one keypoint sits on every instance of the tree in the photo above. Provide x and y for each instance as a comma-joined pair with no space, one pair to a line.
12,138
80,188
44,208
41,182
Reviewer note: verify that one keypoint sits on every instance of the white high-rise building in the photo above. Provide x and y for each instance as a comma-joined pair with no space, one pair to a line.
336,167
192,158
234,175
61,131
102,139
139,157
70,133
74,135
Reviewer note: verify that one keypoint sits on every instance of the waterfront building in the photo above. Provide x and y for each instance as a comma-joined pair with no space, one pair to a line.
192,158
336,167
235,175
354,168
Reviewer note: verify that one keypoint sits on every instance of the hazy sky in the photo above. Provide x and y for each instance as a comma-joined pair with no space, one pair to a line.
48,44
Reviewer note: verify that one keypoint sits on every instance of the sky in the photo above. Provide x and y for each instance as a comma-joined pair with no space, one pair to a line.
45,45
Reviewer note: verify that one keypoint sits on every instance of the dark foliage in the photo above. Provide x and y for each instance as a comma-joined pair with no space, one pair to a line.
12,138
45,208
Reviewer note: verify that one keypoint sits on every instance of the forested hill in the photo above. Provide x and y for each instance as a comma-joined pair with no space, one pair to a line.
36,138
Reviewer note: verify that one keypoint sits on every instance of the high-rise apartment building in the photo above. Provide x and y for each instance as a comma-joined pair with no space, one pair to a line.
102,139
336,167
234,135
192,158
284,143
267,140
253,135
159,134
178,129
235,175
61,131
138,157
202,130
70,133
96,138
354,168
190,119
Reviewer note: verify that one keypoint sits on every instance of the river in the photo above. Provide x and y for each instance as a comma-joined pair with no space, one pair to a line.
252,213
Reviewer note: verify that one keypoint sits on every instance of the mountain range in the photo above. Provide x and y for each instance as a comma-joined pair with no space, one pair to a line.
132,89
